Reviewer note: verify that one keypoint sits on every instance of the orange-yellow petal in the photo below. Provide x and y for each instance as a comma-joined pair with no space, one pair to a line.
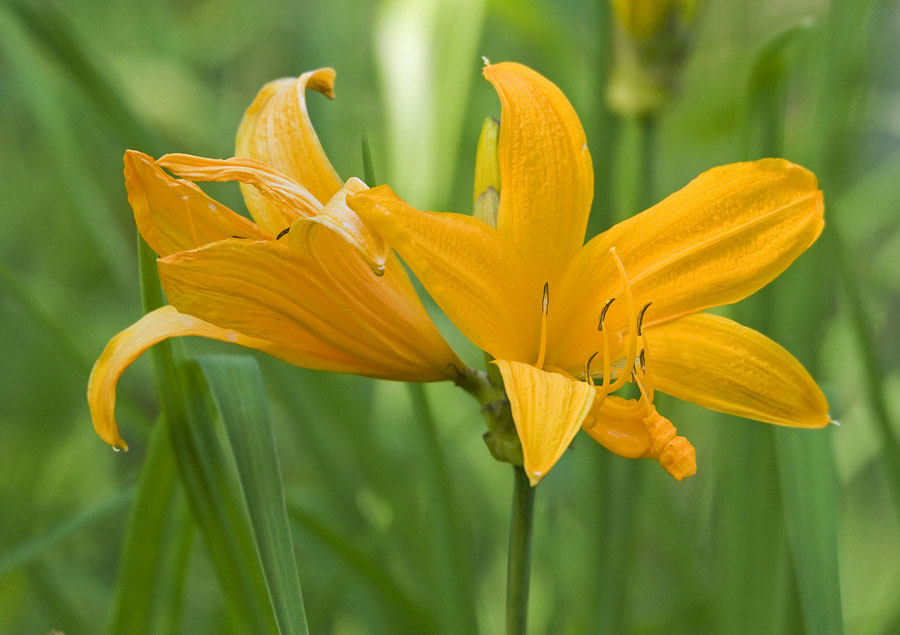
722,237
127,346
328,292
173,215
472,272
287,199
618,427
548,409
276,130
338,218
547,181
719,364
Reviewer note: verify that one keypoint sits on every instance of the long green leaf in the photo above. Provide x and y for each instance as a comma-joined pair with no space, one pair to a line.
140,562
239,394
809,491
214,494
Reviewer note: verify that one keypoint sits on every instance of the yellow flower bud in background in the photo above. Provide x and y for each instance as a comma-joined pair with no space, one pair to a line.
651,41
486,193
641,18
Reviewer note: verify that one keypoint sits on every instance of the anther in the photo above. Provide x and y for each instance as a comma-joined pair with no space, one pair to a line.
545,308
587,369
640,319
603,313
643,361
283,232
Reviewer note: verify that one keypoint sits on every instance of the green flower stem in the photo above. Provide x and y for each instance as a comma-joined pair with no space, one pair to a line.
519,564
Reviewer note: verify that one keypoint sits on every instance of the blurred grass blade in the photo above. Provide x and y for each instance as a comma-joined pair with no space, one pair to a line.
808,488
763,131
52,29
238,391
373,572
93,515
433,46
140,575
78,191
214,496
452,568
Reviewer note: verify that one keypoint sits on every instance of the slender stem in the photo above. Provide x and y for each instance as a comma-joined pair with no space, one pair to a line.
519,569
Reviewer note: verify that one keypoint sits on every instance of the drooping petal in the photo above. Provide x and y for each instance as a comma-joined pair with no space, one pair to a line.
722,237
548,409
173,215
719,364
167,322
338,218
266,290
545,168
471,271
276,130
618,427
287,199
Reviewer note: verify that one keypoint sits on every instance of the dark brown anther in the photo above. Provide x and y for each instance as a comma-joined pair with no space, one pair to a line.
241,237
587,369
643,361
640,319
603,313
545,302
282,233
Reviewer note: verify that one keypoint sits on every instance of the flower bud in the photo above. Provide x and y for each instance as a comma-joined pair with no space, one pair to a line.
486,193
651,42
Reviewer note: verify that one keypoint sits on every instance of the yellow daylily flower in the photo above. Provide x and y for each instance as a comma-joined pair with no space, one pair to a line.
306,281
545,306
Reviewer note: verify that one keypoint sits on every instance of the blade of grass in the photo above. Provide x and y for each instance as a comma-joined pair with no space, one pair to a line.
214,494
374,573
91,516
808,488
238,391
53,30
456,601
145,539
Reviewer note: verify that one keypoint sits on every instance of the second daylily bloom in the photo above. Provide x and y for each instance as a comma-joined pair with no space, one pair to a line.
569,324
305,281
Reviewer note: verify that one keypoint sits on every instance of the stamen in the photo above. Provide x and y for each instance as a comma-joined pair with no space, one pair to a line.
587,370
545,307
643,361
283,232
603,312
632,339
640,320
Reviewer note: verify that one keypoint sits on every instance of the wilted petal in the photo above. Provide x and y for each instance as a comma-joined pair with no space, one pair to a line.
276,130
721,365
267,290
545,169
167,322
548,409
173,215
722,237
472,272
288,200
342,220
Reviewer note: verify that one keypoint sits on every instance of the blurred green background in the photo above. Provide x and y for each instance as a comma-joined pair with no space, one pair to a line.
779,532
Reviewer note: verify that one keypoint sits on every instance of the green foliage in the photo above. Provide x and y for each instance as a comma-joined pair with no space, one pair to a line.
397,516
